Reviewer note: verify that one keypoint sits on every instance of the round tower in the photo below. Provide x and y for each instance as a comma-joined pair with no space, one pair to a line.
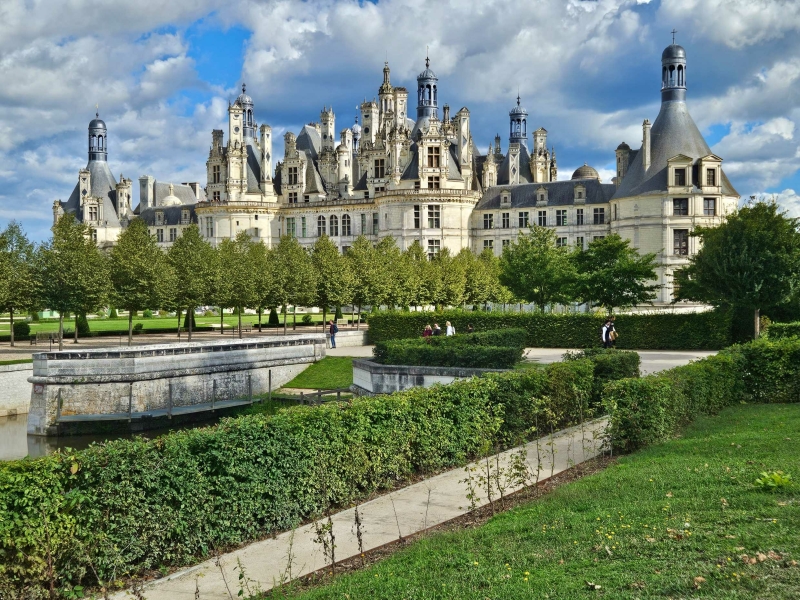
356,129
427,94
248,122
673,74
98,139
518,125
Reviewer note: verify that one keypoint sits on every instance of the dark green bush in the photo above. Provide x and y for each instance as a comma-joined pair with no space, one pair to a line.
772,372
186,317
695,331
779,331
609,365
513,336
83,325
419,352
274,320
147,314
307,320
21,329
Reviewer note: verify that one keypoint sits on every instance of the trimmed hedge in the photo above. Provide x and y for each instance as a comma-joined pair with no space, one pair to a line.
513,336
413,352
778,331
609,365
128,506
695,331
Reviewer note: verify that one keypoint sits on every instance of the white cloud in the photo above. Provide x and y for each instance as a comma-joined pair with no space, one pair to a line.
789,200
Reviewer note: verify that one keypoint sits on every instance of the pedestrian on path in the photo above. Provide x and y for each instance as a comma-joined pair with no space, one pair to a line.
604,331
436,329
450,329
427,332
333,331
612,333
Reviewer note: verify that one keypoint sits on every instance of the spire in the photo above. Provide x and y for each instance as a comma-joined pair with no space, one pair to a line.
244,87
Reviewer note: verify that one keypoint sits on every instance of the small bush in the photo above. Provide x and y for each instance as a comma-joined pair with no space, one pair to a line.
338,313
307,320
138,327
609,365
147,314
21,329
274,320
83,325
187,316
772,482
113,314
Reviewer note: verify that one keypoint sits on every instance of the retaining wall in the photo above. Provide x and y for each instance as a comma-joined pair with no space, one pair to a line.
373,378
15,391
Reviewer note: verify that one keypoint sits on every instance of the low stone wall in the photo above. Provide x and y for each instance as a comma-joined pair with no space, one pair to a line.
372,378
15,391
349,338
119,381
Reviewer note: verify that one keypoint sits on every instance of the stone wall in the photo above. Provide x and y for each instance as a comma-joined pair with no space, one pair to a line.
347,338
15,391
124,381
372,378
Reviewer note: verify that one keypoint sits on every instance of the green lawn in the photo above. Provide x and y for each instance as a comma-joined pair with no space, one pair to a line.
329,373
18,361
672,521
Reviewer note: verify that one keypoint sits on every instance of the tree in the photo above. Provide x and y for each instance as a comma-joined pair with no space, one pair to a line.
261,271
72,271
388,275
141,277
448,279
366,270
334,278
751,261
193,261
20,285
414,268
536,270
295,277
481,276
237,271
612,274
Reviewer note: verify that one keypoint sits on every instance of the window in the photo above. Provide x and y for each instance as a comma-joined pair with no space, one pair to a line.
92,213
711,177
303,229
417,217
346,225
542,218
256,232
680,177
433,183
579,243
380,168
579,216
680,241
433,157
184,217
320,226
306,198
209,227
292,197
598,237
505,219
579,195
159,218
488,221
599,216
293,176
363,224
94,235
375,224
680,207
561,242
334,228
434,220
710,207
506,243
216,196
291,227
488,244
215,175
433,248
416,184
159,235
380,188
615,213
561,217
173,234
523,219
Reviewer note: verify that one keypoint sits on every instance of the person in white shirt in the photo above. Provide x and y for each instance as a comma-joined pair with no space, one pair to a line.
450,329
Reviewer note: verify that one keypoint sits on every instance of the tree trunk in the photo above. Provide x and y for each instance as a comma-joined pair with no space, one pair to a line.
11,314
284,318
239,310
179,322
324,316
757,324
259,320
130,328
221,321
358,323
75,341
294,319
60,331
190,316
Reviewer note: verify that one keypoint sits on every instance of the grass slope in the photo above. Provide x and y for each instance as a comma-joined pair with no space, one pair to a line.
644,528
329,373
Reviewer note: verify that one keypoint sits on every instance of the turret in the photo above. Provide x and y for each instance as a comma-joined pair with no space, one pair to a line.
248,121
427,94
328,122
98,139
673,74
518,125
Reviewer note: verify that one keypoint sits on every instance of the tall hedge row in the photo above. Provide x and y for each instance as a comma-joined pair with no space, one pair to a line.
132,505
779,331
695,331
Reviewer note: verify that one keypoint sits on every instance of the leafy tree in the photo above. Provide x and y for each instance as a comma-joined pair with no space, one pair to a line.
72,271
534,269
751,261
481,276
365,267
448,279
261,267
18,281
415,268
389,277
237,272
193,262
334,278
141,277
612,274
295,277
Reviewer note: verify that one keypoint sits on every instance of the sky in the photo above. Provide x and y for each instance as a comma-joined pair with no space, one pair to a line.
588,71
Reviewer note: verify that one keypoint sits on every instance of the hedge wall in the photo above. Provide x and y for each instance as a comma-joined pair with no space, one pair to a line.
413,352
777,331
609,365
695,331
128,506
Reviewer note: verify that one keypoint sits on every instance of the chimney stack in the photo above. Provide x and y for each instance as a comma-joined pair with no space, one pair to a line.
646,144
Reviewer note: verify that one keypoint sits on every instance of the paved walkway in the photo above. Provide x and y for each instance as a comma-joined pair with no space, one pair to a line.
403,512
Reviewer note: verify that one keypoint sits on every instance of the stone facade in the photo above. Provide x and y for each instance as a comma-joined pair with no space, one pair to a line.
371,378
15,391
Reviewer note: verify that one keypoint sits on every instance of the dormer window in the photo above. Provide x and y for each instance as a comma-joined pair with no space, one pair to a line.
680,177
580,194
159,218
184,217
711,177
505,197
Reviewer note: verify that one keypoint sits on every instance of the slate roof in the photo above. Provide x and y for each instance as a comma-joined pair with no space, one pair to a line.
103,186
412,168
559,193
172,215
309,139
674,132
504,169
253,170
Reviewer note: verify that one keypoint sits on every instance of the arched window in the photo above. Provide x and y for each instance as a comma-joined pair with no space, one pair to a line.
93,144
334,226
671,75
100,142
346,225
435,95
664,77
320,226
680,75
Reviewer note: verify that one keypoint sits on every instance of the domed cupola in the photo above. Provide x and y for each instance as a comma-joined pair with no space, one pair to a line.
518,124
673,73
248,122
356,129
98,139
171,199
585,172
427,94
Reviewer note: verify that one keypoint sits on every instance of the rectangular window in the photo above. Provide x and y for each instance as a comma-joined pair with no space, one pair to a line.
173,234
579,243
433,183
506,243
209,227
94,235
291,227
380,168
417,217
561,242
561,217
579,216
256,232
506,220
303,229
680,207
542,218
375,226
93,213
680,241
346,225
215,175
416,184
292,197
615,213
433,157
216,196
488,244
334,226
523,219
363,224
159,218
710,207
434,220
433,248
711,177
185,217
599,216
488,221
159,235
293,176
680,177
306,198
380,188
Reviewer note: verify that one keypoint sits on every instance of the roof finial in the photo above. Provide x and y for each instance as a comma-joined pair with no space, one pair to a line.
244,87
427,60
674,31
97,111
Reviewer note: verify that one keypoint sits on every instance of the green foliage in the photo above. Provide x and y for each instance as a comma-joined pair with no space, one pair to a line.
608,365
697,331
294,275
779,331
772,482
418,352
138,328
334,278
772,373
82,324
338,314
147,314
274,319
194,263
307,319
186,320
19,285
113,313
21,329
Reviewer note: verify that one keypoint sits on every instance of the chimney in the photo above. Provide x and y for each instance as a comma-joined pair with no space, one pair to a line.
646,144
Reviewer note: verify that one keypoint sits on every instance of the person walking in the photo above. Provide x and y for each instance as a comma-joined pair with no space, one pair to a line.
427,332
604,333
612,333
333,329
436,329
470,328
450,329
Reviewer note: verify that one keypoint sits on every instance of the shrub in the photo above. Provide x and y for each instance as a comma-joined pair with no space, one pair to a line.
21,329
113,314
338,314
413,352
274,320
147,314
138,327
609,365
307,320
83,325
778,331
187,316
772,372
34,316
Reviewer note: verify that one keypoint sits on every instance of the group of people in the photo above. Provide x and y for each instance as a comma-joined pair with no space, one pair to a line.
447,331
608,334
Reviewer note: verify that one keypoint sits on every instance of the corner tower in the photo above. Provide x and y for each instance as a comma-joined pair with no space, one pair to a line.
98,139
518,125
673,74
427,93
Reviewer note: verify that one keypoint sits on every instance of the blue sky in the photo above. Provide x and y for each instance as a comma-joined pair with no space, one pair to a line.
588,71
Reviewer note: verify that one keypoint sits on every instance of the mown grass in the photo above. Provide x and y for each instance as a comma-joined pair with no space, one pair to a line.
18,361
672,521
329,373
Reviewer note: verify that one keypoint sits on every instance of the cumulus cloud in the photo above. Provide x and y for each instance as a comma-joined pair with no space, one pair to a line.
789,200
